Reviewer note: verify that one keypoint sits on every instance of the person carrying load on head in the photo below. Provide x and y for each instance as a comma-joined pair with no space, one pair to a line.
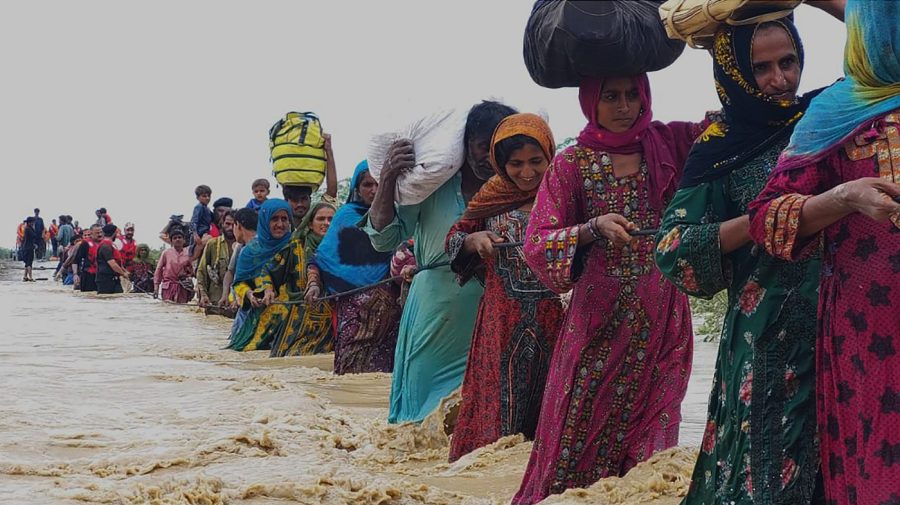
437,321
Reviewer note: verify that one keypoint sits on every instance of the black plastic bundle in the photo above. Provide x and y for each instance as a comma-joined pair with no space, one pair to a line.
567,40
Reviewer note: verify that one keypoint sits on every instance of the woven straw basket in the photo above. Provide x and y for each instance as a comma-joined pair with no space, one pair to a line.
696,21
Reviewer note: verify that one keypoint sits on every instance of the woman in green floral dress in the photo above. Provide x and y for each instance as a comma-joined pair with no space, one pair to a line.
760,445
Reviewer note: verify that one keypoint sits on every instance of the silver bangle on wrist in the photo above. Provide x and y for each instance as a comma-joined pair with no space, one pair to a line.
594,231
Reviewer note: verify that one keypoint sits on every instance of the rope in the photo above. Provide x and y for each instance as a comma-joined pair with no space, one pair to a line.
637,233
364,288
141,291
502,245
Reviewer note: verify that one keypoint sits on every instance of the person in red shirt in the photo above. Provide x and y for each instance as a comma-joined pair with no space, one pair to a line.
84,265
127,246
53,230
109,263
20,235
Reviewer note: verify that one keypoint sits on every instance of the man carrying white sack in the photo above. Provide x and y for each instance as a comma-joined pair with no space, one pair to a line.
439,315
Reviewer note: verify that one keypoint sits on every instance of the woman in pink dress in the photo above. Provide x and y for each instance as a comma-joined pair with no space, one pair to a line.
837,185
620,366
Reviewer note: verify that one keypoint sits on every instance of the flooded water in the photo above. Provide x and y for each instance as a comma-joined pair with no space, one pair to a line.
129,400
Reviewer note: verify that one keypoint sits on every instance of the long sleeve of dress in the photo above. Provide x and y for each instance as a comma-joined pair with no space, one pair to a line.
465,266
775,214
242,290
276,272
406,218
688,249
551,246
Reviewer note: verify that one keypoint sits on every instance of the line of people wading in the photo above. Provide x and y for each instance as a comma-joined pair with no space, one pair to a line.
785,201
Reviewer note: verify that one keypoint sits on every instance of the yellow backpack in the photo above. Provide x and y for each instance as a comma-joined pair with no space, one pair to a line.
297,150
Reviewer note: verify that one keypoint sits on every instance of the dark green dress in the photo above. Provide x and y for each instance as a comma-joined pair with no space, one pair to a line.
759,446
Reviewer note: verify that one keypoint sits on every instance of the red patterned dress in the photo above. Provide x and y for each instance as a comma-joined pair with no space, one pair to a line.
516,328
858,369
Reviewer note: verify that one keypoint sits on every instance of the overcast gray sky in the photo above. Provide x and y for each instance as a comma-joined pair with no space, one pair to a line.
130,105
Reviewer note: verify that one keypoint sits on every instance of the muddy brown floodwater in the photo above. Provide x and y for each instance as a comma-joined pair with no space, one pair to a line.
126,400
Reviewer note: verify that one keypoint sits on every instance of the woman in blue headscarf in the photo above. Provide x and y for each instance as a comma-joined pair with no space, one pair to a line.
262,322
368,322
837,186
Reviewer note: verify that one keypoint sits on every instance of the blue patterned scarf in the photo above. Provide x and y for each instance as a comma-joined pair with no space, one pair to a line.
262,249
346,257
870,89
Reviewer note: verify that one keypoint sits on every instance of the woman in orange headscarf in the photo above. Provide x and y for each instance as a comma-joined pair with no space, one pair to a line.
518,318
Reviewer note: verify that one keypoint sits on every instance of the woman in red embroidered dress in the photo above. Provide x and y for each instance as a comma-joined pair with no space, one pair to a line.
518,319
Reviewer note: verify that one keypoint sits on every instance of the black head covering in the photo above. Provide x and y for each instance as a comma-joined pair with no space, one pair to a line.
223,202
752,121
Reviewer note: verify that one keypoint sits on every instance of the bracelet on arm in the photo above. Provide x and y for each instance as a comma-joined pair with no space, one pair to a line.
594,231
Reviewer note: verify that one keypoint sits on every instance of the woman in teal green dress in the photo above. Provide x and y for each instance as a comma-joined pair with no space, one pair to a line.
759,446
439,315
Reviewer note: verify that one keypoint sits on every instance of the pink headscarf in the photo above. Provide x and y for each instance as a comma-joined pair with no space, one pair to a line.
652,138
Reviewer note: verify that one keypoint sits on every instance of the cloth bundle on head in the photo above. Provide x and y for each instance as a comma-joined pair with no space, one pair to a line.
646,136
753,121
440,152
223,202
263,248
500,194
870,89
346,257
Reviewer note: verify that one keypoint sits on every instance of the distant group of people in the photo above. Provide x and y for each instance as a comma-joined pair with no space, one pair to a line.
33,238
788,202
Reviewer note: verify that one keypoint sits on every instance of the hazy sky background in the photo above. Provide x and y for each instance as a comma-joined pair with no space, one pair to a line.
130,105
